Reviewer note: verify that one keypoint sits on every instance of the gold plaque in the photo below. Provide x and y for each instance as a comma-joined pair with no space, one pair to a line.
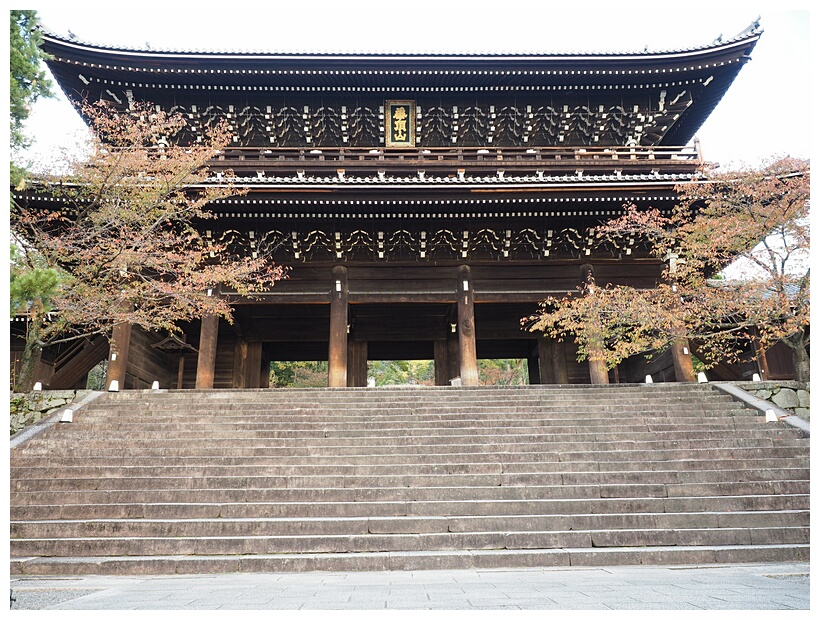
400,124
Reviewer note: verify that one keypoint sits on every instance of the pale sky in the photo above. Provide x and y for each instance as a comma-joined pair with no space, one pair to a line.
764,113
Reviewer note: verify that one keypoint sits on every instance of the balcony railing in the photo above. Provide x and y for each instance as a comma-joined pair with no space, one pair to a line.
447,155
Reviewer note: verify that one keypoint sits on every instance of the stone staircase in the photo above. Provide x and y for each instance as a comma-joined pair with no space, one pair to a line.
408,479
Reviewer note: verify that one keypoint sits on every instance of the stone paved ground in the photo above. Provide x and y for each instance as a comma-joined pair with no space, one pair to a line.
718,587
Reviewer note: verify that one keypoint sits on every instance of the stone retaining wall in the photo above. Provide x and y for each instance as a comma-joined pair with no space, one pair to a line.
28,409
789,395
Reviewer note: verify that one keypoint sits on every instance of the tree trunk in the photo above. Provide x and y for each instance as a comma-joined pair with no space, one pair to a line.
28,365
800,357
24,382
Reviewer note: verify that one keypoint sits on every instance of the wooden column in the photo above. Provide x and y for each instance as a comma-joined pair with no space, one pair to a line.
441,362
264,370
206,360
534,368
546,372
180,369
337,346
357,363
453,363
468,364
559,362
247,364
118,355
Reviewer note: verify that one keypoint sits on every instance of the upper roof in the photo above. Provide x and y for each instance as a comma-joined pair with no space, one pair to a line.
340,69
706,71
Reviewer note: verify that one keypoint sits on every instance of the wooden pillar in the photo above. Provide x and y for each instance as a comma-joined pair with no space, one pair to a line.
544,356
180,369
534,367
118,355
468,364
264,370
206,360
337,346
357,363
682,360
247,364
441,361
559,362
453,363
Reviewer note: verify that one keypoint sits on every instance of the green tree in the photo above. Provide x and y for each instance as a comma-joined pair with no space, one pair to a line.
298,374
29,81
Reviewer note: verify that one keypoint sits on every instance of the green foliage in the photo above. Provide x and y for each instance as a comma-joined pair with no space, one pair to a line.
28,78
400,372
96,376
503,372
298,374
31,283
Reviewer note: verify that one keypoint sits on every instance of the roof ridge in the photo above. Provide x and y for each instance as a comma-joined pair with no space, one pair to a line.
752,30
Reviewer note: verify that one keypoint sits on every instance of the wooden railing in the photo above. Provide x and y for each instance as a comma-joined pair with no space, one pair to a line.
433,155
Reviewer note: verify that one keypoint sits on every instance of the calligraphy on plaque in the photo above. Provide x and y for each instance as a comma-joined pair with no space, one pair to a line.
400,124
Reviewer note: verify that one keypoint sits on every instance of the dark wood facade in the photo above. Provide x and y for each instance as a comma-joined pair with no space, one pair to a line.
424,204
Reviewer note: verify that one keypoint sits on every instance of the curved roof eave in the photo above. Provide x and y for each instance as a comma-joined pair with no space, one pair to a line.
75,47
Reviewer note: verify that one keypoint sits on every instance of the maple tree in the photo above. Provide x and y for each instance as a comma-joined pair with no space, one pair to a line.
124,238
755,218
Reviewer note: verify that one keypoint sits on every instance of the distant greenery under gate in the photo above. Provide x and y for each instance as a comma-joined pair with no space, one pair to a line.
398,372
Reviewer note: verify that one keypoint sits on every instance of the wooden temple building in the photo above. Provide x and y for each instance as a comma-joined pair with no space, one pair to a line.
424,203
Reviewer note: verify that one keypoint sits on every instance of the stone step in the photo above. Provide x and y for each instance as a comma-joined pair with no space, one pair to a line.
449,541
83,428
457,402
631,433
511,461
550,483
157,528
32,475
568,451
452,560
407,493
363,508
513,453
